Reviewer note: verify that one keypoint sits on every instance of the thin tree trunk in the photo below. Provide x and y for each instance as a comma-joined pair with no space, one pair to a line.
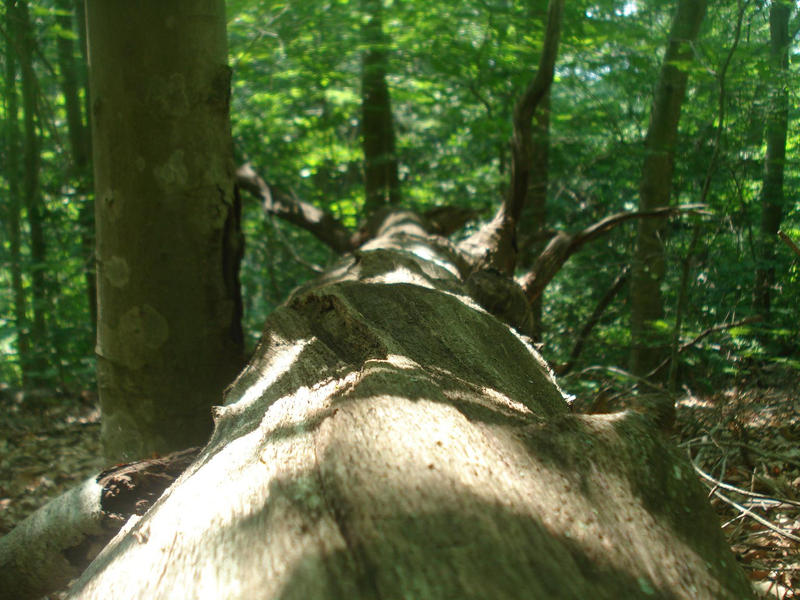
71,72
680,310
537,194
649,343
168,237
381,180
34,207
602,305
772,197
13,174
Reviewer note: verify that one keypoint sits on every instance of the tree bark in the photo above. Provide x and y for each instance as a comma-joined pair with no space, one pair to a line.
381,182
649,344
168,242
536,221
391,439
56,543
772,197
495,244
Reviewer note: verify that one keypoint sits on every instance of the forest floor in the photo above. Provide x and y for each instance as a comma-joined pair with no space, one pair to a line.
744,443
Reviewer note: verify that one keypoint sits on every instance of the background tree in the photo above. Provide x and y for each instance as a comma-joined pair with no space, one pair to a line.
648,342
32,198
13,208
297,72
168,248
380,160
772,197
72,70
534,218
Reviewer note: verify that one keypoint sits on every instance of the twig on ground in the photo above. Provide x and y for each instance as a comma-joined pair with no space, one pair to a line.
733,488
756,517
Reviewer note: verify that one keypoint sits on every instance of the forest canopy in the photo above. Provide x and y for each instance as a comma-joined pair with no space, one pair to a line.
454,73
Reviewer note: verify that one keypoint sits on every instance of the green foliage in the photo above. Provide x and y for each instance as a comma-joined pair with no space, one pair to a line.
67,349
455,73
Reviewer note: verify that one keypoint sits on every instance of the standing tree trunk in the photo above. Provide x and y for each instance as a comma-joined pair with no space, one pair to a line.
13,174
32,198
772,200
537,196
168,239
649,343
381,181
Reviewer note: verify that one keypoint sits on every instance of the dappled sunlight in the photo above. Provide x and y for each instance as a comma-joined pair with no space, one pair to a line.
400,274
282,354
427,254
504,400
238,494
421,458
397,461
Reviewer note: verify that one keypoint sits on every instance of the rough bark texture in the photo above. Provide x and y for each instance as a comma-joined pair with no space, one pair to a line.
169,337
772,198
390,439
649,344
57,542
381,180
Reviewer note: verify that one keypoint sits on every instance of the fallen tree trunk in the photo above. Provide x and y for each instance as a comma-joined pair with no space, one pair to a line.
390,438
55,544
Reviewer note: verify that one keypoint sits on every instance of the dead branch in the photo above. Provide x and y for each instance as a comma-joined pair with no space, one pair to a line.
704,334
586,330
789,242
756,517
521,141
563,244
314,268
732,488
716,328
494,245
54,544
319,223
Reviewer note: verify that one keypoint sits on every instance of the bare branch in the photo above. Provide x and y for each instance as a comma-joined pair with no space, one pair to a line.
498,236
563,245
755,517
704,334
605,225
586,330
716,328
303,214
789,242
